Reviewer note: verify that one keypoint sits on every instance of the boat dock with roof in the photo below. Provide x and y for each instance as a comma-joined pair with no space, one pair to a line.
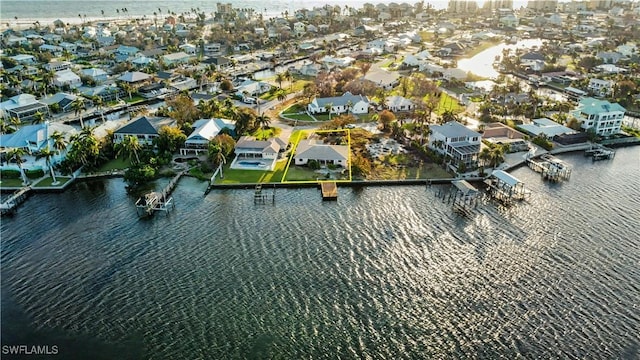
551,168
505,187
154,201
600,152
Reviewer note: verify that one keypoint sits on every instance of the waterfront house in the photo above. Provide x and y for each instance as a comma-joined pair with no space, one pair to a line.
52,49
398,103
204,131
219,62
63,100
603,117
456,141
324,154
248,149
23,107
144,128
105,92
32,139
546,127
355,104
134,77
251,88
67,78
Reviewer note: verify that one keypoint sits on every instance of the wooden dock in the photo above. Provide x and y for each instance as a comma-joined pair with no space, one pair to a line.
550,168
600,152
262,198
329,190
10,206
154,201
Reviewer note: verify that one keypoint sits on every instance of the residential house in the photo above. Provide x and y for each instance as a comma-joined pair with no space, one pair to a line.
546,127
219,62
67,78
188,49
34,138
24,59
398,103
299,28
52,49
204,130
57,66
145,129
610,57
70,47
134,77
176,58
105,92
95,74
325,154
355,104
63,100
603,117
252,88
382,78
23,107
599,87
458,142
248,148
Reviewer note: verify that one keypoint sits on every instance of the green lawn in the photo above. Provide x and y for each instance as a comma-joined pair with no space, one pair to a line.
424,171
301,173
134,99
294,109
301,117
115,164
11,183
235,176
262,134
448,103
46,182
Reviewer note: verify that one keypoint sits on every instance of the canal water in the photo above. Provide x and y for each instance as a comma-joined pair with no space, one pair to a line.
382,273
481,64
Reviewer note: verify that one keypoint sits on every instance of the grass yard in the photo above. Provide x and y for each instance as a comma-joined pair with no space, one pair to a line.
235,176
46,182
448,103
424,171
115,164
134,99
294,109
301,173
263,134
10,183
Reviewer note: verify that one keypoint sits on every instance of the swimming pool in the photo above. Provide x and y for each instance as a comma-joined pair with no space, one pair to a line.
252,163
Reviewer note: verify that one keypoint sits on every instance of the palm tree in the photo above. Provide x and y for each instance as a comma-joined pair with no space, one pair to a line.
129,146
448,115
328,107
47,153
78,107
38,117
99,104
127,88
485,155
496,156
263,121
17,154
47,78
289,77
280,79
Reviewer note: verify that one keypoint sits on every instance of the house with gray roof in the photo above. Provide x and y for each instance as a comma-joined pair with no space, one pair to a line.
133,77
316,150
398,103
457,141
144,128
95,74
23,107
355,104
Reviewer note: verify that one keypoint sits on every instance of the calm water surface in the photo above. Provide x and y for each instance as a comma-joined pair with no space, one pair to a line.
384,272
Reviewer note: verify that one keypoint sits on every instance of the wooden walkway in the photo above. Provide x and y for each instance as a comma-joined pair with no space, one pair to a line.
329,190
10,205
158,201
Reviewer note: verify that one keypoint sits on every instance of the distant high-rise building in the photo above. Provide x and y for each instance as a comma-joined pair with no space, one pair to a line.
498,4
462,6
543,5
599,4
224,8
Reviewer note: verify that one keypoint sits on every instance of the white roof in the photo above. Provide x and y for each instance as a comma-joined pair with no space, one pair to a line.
207,129
506,177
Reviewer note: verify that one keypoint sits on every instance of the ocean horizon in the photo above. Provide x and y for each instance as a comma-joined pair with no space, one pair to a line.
70,9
